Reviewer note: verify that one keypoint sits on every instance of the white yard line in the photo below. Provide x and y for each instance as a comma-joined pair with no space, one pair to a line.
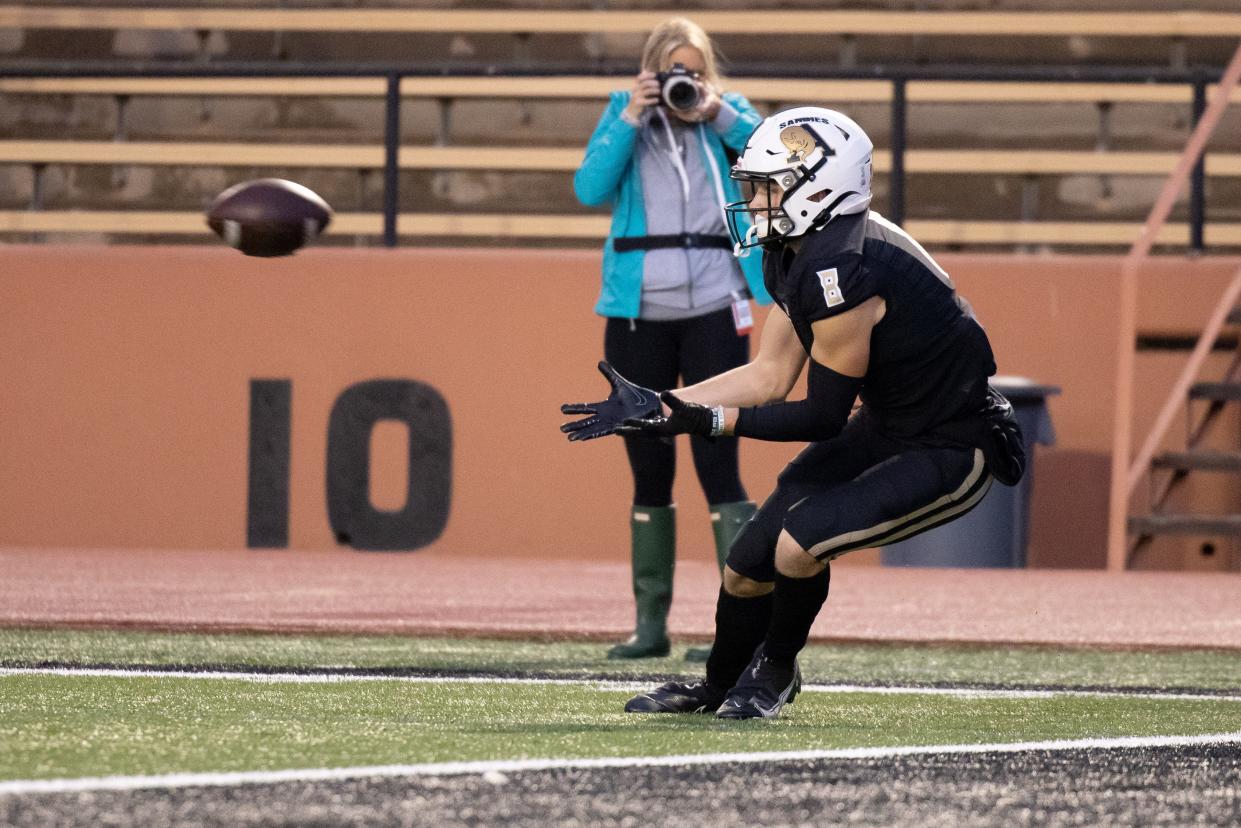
493,771
1001,693
338,678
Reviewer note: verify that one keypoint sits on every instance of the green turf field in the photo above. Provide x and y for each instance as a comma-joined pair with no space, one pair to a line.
58,726
854,663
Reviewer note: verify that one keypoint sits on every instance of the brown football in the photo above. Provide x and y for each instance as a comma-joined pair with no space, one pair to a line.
268,216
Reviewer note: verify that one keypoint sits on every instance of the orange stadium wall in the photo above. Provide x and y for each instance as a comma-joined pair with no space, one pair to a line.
127,371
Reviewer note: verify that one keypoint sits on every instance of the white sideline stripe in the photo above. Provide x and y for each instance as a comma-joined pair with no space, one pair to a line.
188,780
605,684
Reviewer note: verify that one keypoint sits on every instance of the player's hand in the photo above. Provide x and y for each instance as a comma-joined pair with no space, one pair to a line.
645,93
626,401
683,418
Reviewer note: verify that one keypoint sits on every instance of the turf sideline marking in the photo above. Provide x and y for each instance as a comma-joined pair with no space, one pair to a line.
196,780
605,684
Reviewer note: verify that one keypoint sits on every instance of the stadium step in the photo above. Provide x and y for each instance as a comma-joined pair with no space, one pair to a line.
1222,461
1216,391
1169,524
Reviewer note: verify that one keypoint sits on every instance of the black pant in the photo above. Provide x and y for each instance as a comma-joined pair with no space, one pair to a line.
859,490
662,355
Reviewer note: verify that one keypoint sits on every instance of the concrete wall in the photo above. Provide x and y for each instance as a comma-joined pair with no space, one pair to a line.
126,371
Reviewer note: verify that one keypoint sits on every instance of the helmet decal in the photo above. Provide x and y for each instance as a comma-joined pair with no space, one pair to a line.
799,141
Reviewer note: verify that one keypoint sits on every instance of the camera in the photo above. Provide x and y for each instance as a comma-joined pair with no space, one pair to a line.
678,88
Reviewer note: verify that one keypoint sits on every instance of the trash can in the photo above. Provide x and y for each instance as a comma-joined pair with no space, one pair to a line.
993,533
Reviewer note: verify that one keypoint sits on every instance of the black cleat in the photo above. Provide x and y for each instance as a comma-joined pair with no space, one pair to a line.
677,697
763,689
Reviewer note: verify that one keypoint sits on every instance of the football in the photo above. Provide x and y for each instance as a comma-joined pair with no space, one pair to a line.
268,216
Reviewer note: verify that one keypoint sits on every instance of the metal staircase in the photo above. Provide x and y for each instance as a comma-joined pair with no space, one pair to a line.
1170,469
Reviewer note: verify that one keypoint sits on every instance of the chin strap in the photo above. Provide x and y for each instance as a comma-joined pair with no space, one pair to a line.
742,248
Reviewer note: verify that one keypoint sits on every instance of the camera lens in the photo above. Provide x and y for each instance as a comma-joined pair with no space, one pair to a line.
681,93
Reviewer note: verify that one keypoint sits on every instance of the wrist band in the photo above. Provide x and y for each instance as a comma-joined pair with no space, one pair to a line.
717,421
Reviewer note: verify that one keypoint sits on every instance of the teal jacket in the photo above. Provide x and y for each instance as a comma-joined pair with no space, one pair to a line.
609,176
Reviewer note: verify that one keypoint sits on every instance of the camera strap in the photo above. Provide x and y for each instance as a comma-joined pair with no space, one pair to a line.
624,244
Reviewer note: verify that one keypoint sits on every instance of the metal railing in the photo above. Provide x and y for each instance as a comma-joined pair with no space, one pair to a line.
1197,79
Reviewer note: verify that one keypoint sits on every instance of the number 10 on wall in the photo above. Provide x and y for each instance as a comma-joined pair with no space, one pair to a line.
354,520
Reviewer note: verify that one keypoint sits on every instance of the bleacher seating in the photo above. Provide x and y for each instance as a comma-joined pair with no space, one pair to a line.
994,162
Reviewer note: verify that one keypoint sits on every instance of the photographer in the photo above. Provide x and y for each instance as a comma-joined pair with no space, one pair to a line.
677,301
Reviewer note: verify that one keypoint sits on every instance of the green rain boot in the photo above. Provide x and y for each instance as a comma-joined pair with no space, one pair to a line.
726,521
653,530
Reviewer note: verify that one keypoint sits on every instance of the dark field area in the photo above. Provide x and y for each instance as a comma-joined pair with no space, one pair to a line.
1198,785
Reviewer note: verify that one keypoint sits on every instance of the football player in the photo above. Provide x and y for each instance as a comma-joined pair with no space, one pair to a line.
869,314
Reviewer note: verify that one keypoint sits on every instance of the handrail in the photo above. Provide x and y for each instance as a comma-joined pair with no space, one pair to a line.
393,76
1124,475
1180,389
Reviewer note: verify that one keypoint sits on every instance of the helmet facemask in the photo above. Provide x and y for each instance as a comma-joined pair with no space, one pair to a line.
767,224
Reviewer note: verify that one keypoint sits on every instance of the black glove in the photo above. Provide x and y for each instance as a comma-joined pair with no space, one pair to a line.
686,418
1004,447
626,401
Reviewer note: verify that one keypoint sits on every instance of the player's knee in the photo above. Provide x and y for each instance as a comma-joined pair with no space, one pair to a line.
794,561
740,586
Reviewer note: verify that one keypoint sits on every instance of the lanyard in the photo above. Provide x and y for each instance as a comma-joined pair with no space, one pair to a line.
707,157
676,157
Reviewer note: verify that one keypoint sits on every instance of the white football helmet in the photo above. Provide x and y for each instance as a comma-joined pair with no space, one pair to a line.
815,164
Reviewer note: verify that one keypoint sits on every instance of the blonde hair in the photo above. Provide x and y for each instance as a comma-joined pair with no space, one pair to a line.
671,35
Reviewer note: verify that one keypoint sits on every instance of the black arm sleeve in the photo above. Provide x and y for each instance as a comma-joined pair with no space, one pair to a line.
829,399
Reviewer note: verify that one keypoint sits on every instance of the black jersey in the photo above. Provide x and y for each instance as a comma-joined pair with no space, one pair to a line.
929,357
